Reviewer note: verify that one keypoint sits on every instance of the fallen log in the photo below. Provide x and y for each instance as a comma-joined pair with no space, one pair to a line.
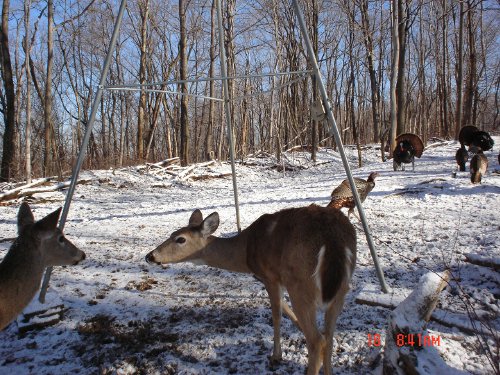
13,193
39,315
409,347
31,189
480,260
160,164
208,176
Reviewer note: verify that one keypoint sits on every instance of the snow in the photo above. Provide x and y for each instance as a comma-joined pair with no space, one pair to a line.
124,316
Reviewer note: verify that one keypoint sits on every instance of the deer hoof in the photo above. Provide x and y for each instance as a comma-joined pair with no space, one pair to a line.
274,362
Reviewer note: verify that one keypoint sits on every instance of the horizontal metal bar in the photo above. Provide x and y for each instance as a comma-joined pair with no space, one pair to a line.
207,79
204,96
164,91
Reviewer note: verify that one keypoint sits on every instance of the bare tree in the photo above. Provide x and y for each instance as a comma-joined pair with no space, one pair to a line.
459,113
394,71
470,105
374,87
9,110
403,29
209,138
269,113
48,158
27,49
184,119
141,117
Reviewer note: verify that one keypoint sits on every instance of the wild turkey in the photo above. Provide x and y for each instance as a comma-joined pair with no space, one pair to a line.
482,140
474,138
478,167
462,156
408,146
342,194
465,135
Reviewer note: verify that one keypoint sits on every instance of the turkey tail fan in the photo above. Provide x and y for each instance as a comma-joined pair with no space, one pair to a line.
414,140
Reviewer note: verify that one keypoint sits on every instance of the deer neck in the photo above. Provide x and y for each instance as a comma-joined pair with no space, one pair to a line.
227,253
20,276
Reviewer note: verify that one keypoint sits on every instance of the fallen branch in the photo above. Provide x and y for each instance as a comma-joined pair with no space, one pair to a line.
184,173
208,176
405,191
371,296
483,261
438,143
31,189
432,180
160,164
409,348
13,193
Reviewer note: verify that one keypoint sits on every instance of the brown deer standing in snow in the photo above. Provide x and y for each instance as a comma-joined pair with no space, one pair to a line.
310,251
38,245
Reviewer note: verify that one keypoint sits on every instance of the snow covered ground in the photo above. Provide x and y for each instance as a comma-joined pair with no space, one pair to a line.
125,316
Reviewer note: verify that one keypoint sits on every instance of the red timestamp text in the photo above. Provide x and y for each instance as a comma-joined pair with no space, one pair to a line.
409,339
417,339
374,340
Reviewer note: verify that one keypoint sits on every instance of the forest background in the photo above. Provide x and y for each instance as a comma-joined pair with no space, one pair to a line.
438,58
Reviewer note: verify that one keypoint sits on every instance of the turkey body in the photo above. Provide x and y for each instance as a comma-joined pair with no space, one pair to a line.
478,167
462,156
342,195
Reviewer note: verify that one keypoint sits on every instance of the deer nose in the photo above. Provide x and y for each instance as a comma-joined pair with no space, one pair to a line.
81,258
151,259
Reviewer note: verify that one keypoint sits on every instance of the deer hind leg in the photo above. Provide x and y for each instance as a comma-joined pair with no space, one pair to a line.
275,296
304,305
288,311
331,315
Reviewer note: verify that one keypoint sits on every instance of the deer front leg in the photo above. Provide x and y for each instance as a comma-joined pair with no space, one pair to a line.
275,297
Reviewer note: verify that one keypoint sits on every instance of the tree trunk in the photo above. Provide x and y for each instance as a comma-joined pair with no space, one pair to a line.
141,117
315,41
48,159
374,89
209,139
470,85
394,73
458,116
401,79
184,124
444,90
27,46
9,109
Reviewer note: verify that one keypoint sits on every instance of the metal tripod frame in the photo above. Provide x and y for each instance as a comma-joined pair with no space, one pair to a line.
224,78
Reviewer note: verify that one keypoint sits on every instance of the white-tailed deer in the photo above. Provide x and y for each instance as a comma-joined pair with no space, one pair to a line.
38,245
310,251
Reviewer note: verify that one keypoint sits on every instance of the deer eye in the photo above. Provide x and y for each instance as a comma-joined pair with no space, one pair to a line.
60,239
180,240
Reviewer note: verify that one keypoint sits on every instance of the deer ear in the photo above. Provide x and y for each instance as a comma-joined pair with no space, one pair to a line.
210,224
49,222
196,218
24,217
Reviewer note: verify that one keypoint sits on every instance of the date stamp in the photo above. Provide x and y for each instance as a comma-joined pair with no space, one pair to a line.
409,339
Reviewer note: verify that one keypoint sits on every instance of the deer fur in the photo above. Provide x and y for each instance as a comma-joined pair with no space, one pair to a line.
309,251
38,245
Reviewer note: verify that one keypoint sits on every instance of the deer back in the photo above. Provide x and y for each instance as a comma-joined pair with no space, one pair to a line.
303,243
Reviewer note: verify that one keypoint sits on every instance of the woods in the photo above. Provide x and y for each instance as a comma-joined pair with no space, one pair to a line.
439,59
